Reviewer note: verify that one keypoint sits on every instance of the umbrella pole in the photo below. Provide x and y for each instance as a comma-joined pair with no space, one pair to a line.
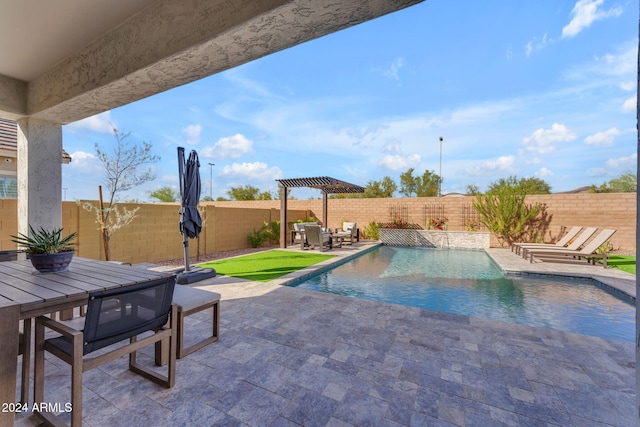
185,239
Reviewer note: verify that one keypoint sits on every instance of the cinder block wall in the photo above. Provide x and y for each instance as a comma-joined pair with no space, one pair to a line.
153,235
611,210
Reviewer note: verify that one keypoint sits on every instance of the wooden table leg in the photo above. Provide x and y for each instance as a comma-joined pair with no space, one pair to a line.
9,335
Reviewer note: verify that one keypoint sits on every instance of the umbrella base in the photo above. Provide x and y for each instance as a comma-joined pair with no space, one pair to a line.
195,275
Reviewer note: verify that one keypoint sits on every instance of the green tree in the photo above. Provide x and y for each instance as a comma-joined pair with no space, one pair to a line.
525,185
378,189
164,194
626,182
408,184
265,195
426,185
248,192
472,190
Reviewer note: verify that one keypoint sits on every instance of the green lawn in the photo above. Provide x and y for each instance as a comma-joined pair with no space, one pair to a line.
624,263
265,266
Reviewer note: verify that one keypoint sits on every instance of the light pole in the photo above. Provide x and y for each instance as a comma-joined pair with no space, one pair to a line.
211,181
440,174
65,193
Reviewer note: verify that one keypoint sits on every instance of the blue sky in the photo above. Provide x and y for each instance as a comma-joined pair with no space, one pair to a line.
541,89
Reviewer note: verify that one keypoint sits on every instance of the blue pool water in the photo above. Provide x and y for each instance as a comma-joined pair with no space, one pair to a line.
469,283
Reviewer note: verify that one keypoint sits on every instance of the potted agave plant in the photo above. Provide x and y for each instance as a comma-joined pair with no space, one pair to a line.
48,251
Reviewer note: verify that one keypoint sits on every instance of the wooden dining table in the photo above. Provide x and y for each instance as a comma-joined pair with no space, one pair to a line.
26,293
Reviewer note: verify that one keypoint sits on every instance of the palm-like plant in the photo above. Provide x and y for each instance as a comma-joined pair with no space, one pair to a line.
45,242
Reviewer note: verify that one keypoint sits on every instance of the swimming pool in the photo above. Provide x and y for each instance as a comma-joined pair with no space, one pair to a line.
469,283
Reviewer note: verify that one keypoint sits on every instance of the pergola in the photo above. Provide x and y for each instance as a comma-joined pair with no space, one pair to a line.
325,184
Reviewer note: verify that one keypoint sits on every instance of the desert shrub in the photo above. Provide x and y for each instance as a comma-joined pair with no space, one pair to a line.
372,231
506,215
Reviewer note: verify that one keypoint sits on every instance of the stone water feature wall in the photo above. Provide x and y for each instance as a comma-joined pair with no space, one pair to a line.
435,239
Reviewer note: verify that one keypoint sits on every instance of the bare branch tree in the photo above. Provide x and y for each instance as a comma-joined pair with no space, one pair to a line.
122,169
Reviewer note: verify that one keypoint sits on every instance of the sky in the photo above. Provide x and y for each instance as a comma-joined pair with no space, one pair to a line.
543,89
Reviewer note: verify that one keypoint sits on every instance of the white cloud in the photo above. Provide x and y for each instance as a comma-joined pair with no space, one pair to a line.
543,172
531,160
509,54
603,139
628,162
621,63
99,123
394,69
628,85
538,45
488,167
392,149
585,13
192,133
256,171
170,178
83,161
630,105
397,162
596,172
229,147
544,141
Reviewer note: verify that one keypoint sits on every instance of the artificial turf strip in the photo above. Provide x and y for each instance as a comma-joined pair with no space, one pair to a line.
624,263
265,266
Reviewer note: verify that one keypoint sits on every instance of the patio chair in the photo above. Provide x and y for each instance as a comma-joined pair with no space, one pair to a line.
348,233
315,237
588,252
563,242
112,316
576,244
298,230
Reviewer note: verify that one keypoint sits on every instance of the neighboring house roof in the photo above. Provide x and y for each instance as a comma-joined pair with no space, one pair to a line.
9,140
577,190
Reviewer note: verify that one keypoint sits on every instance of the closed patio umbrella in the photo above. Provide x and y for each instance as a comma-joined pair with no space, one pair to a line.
190,220
190,186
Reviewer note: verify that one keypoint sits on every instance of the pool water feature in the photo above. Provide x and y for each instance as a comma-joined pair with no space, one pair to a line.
469,283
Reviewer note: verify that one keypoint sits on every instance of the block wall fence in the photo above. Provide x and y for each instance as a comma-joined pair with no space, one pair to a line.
153,235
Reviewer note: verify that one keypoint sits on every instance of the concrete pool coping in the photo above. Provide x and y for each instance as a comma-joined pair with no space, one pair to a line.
288,356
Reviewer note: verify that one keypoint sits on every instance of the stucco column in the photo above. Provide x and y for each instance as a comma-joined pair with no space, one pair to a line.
39,174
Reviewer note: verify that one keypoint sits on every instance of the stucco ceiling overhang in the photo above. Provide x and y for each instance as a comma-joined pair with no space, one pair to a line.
65,60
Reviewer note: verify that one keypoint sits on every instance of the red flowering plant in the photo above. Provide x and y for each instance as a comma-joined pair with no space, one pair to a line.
438,223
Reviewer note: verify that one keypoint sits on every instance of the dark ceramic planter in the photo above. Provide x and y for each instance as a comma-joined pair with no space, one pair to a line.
49,263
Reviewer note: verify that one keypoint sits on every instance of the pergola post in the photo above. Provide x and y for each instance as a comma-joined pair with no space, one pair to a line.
283,216
325,220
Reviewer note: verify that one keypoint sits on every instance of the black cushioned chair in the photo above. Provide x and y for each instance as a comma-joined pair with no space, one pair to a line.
112,316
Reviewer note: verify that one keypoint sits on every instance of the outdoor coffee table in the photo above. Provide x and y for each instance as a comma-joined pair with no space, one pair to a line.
339,238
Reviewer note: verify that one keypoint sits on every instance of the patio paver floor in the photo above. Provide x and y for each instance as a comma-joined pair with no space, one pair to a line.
289,356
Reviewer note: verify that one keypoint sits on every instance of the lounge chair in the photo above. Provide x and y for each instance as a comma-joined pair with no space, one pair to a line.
566,239
315,237
576,244
588,252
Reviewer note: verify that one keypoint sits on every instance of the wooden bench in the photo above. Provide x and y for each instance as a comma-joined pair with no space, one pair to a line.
190,301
